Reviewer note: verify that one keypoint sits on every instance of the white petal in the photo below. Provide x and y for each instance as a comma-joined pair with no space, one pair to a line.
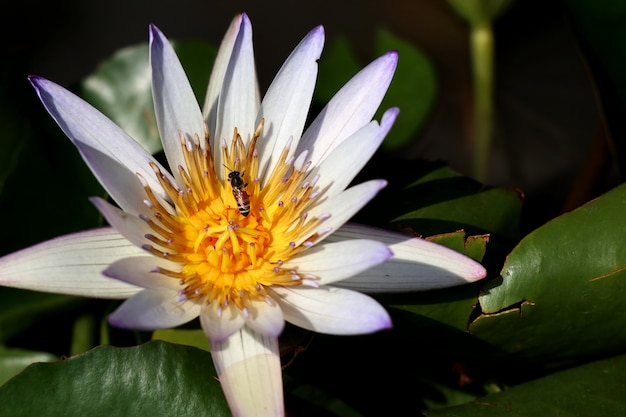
331,262
248,367
331,310
209,110
175,104
219,323
344,205
350,109
286,104
140,271
89,129
346,160
154,309
71,264
130,226
417,263
239,100
265,318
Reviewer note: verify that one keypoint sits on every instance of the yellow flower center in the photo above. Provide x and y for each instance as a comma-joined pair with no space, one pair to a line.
224,253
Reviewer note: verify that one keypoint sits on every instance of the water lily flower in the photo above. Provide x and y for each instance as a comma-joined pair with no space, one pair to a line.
248,227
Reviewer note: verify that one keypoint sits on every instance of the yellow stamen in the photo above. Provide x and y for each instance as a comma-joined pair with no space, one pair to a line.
218,254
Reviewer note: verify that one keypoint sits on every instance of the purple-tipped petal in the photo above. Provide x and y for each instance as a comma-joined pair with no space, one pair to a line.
417,264
154,309
350,109
209,110
175,105
286,104
101,142
239,100
331,310
343,163
71,264
346,204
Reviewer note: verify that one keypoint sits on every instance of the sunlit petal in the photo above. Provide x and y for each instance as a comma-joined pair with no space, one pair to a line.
417,264
286,104
153,309
350,109
239,100
175,105
209,110
71,264
332,310
343,163
89,129
330,262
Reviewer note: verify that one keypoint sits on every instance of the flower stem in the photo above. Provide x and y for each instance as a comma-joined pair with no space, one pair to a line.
481,45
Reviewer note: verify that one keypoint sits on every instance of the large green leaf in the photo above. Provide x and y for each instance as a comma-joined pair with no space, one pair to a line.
156,379
426,199
560,294
595,389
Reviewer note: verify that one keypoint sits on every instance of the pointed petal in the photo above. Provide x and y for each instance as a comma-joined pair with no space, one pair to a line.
350,109
71,264
142,271
286,104
220,323
153,309
94,134
330,262
175,105
344,205
346,160
331,310
417,264
239,100
248,367
209,110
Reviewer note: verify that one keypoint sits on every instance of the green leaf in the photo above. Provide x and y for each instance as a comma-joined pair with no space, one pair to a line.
559,295
13,361
121,87
595,389
187,337
155,379
427,199
472,246
414,89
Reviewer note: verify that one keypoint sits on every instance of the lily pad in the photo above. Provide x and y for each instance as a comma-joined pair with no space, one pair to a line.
162,380
559,297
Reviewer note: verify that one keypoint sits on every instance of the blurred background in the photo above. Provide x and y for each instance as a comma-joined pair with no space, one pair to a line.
546,114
